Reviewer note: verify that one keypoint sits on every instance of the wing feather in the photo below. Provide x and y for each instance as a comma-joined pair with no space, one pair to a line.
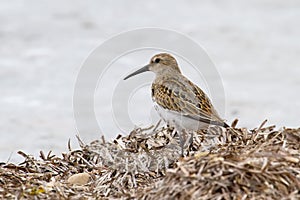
187,98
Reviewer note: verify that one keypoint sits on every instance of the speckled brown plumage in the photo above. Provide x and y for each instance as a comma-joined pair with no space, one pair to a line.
184,97
174,92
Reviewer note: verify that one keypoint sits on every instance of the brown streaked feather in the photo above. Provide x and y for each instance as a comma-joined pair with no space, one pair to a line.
186,98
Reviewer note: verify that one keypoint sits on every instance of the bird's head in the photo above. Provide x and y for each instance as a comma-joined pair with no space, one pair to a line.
159,64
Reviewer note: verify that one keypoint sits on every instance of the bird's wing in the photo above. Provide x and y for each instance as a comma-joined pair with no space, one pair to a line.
185,98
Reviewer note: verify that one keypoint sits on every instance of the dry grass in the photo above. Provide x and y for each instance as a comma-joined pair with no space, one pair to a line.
225,164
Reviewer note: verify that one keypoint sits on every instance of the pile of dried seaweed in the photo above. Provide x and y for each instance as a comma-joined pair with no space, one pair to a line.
220,164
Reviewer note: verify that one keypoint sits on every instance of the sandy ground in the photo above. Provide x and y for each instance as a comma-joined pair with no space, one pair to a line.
255,46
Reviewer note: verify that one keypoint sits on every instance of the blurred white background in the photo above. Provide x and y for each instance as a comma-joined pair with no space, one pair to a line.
255,46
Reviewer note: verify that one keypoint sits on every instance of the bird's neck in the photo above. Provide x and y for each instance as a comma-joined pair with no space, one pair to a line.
167,72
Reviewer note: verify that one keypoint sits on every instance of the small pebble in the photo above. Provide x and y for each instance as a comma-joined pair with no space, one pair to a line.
79,179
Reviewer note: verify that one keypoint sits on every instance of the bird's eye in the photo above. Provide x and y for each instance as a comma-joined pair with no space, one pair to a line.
157,60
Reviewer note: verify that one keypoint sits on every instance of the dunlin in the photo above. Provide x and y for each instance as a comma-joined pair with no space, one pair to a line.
179,102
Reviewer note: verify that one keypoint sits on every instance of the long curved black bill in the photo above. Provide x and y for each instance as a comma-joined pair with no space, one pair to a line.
143,69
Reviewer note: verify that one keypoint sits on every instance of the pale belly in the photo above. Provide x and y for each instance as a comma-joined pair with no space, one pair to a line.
179,121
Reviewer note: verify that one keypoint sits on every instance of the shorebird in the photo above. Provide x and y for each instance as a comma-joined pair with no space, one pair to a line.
179,102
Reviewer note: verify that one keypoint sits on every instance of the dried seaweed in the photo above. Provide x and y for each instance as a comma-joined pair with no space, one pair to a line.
232,163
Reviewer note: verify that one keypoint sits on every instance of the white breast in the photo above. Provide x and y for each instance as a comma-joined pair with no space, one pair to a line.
179,121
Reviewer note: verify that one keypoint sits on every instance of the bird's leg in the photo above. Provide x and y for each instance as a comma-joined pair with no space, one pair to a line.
180,132
181,142
156,126
191,140
183,138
